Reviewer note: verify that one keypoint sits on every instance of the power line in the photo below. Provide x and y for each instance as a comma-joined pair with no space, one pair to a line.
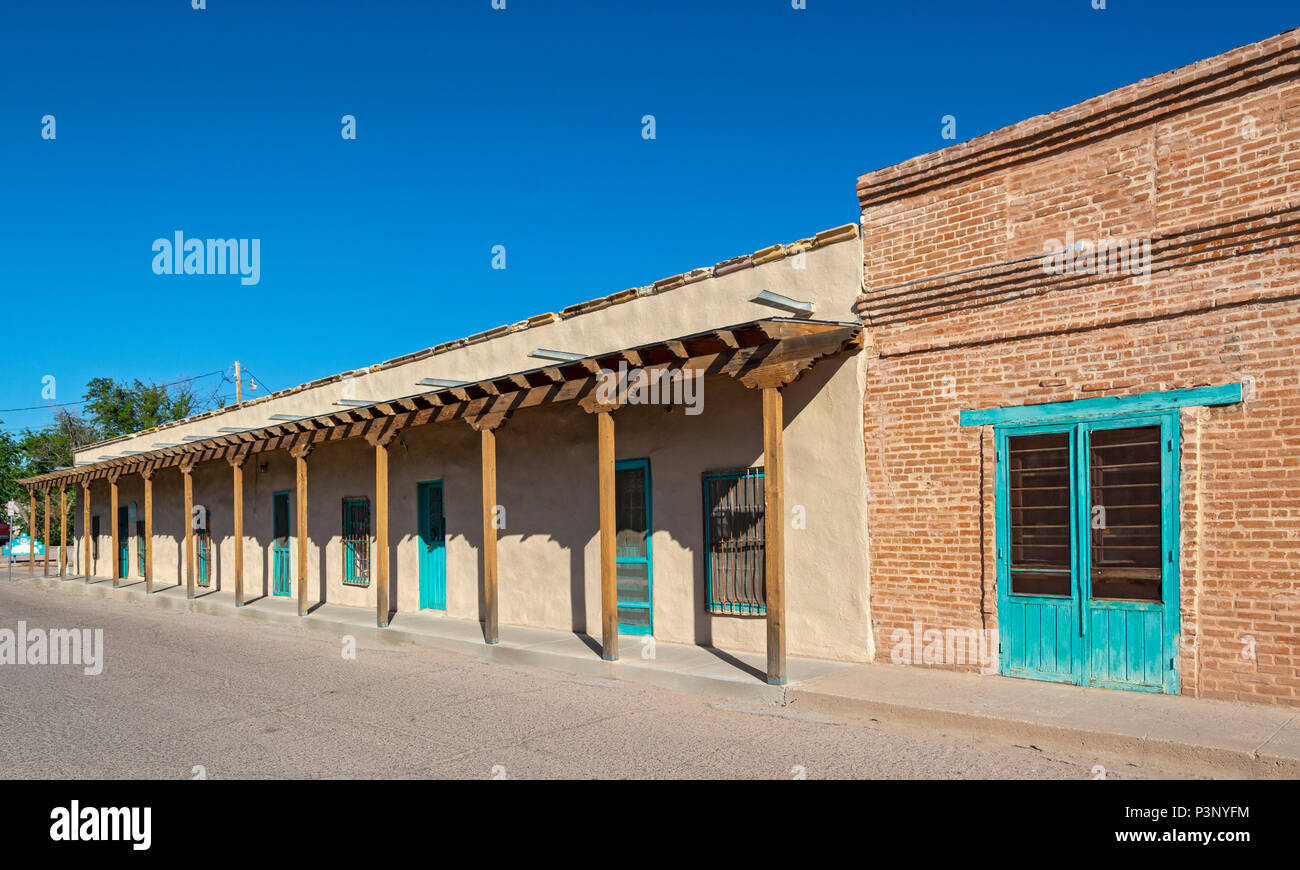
84,401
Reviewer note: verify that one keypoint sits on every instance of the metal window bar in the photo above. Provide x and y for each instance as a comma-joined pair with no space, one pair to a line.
139,545
734,541
356,542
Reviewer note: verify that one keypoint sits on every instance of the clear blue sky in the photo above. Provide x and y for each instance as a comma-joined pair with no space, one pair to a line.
476,127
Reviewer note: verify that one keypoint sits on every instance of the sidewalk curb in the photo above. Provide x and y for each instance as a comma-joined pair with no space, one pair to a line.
1185,756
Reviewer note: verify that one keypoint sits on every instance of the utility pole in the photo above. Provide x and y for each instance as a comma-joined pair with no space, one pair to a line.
239,386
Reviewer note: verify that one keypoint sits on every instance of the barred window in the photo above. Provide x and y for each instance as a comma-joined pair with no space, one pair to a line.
356,541
203,540
734,541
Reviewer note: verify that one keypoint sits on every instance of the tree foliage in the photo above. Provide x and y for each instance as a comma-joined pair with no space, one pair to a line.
112,408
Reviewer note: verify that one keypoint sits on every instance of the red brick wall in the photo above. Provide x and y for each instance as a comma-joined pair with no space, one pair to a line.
1203,162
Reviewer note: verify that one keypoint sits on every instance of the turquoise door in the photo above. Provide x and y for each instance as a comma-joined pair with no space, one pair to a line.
280,582
433,546
123,542
1087,552
139,545
632,548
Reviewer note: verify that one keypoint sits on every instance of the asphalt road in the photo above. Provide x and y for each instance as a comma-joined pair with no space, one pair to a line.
183,695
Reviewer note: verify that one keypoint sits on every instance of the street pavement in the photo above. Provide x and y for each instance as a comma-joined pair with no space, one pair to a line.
184,695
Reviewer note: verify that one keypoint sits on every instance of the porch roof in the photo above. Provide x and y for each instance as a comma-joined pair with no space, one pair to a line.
768,352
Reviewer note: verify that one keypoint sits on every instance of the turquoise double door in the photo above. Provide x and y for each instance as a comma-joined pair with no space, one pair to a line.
1087,552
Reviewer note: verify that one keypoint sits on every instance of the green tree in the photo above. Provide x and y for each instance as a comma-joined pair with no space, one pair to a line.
118,408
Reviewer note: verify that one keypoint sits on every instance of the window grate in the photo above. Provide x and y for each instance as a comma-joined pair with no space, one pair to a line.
734,541
204,540
356,542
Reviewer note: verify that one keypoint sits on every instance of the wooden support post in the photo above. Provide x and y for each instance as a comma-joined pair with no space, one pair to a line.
47,532
774,532
147,474
85,530
237,472
604,411
187,472
63,532
300,452
380,437
488,460
608,531
381,535
112,518
31,534
486,425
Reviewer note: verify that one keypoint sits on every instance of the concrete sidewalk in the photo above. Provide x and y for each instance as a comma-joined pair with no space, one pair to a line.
1199,736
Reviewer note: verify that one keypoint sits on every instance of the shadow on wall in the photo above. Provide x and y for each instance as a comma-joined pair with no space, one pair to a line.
681,448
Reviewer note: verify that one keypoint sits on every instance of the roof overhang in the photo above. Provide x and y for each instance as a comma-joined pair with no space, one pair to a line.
761,353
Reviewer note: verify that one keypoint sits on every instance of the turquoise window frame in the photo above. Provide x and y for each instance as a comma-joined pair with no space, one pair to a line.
349,576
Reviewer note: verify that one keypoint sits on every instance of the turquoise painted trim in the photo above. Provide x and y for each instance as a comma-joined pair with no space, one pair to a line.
433,553
1018,656
1103,406
647,560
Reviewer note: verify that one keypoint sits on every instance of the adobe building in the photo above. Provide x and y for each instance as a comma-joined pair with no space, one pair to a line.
1049,411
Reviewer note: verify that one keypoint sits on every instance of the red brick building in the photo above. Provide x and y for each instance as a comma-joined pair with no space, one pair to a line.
1134,256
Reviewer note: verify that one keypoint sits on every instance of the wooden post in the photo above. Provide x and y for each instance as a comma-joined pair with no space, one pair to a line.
237,471
486,425
774,532
47,532
187,472
381,535
300,452
147,474
63,531
112,518
608,531
379,437
491,626
85,530
31,533
604,412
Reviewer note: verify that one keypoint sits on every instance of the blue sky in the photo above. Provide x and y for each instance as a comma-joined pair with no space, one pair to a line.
476,127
